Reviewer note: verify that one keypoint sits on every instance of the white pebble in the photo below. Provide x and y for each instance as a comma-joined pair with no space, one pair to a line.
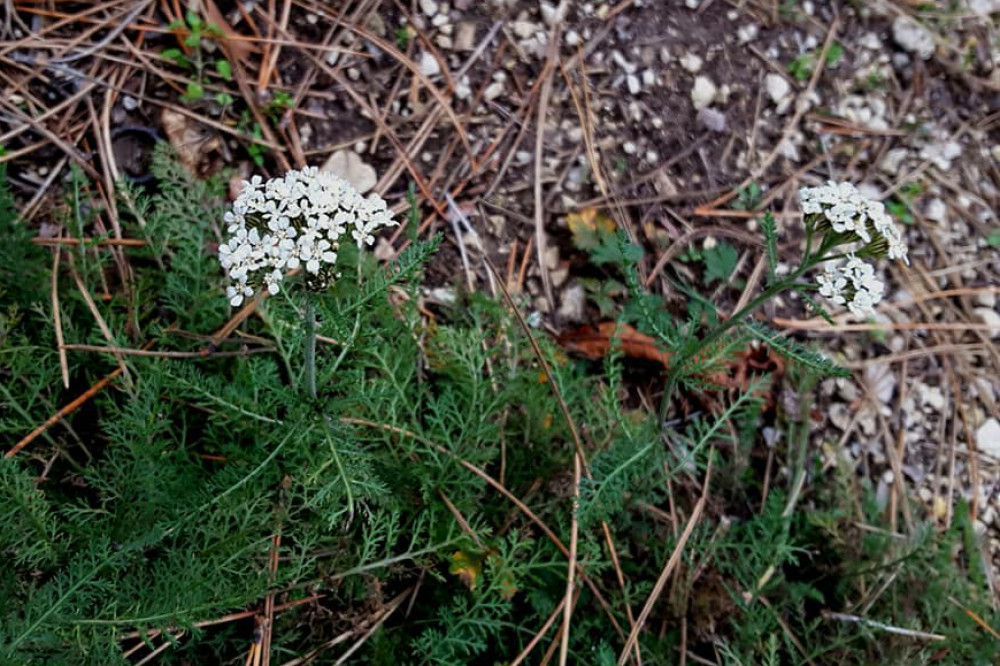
703,92
913,37
429,65
692,62
777,87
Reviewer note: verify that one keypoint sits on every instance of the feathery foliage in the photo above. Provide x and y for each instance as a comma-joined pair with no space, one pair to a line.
148,517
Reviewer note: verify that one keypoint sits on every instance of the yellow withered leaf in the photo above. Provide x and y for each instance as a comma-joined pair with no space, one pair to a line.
587,226
467,566
590,219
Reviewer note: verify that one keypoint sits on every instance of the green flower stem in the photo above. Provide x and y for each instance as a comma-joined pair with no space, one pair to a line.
310,322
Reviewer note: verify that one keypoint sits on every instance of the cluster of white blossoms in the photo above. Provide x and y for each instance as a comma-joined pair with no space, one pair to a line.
860,222
850,213
854,285
291,222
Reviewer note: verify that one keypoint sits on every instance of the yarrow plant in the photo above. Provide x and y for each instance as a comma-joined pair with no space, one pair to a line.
292,222
296,222
864,229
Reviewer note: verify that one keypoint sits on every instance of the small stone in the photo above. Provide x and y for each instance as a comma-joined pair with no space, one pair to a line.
559,276
778,89
429,66
989,317
442,295
988,299
893,160
712,119
691,62
444,41
554,15
348,165
984,8
524,29
941,153
840,416
493,91
648,78
913,37
439,21
703,92
550,257
936,210
572,304
572,38
630,148
995,152
130,103
429,7
632,81
747,33
988,437
932,396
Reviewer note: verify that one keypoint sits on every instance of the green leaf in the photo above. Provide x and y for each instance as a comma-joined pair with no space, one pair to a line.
817,308
224,69
770,229
193,40
195,91
795,351
834,54
994,238
194,20
720,262
172,54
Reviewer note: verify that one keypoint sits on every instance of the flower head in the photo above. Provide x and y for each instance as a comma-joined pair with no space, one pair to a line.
295,220
842,208
854,284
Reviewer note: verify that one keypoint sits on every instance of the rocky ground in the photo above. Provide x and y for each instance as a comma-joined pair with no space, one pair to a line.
505,117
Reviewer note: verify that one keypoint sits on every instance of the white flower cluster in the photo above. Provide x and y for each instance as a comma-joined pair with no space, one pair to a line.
842,209
854,285
290,222
848,211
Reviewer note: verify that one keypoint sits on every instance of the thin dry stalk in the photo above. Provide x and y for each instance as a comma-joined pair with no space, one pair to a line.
675,557
571,573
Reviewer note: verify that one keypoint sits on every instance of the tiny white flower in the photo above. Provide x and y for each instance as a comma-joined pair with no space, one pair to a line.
272,280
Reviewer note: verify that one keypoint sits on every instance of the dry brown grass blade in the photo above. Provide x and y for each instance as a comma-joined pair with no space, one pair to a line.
57,317
541,633
675,557
574,531
62,413
92,306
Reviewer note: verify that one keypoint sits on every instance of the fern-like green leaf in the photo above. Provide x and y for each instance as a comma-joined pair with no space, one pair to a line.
770,229
795,351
